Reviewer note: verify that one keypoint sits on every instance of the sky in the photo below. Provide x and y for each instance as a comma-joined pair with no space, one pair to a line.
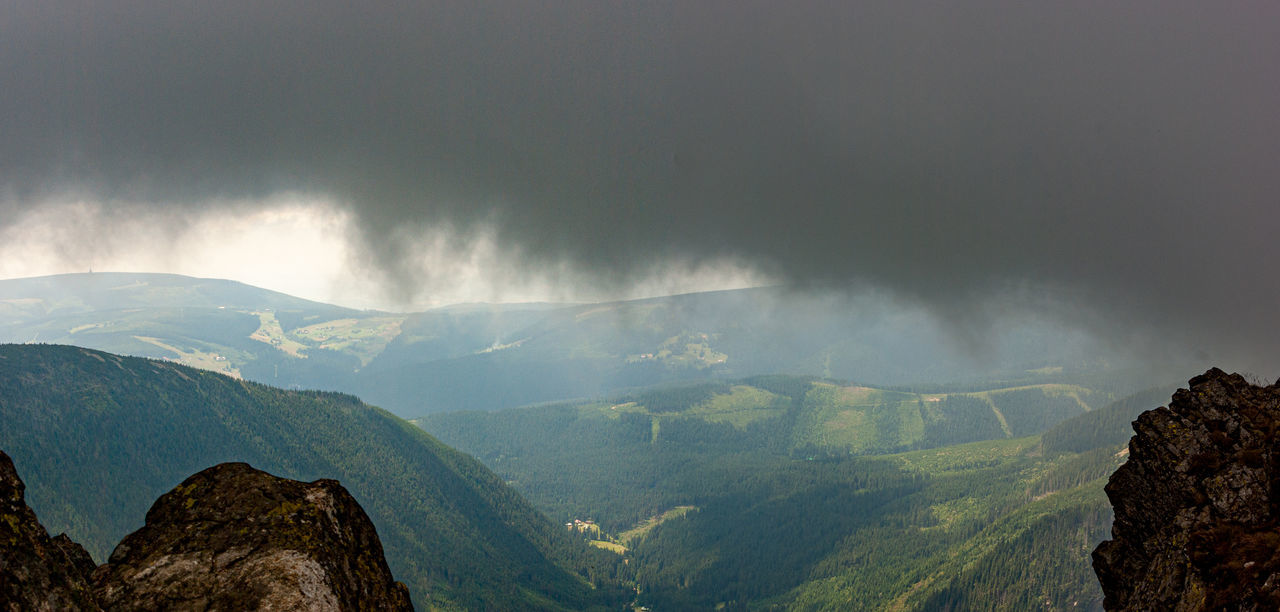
1112,164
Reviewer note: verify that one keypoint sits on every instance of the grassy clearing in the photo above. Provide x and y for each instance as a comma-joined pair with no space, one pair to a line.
1051,390
635,534
740,407
86,326
950,512
860,419
195,358
868,420
966,457
1046,371
692,349
495,347
364,338
609,546
270,332
687,349
617,408
1004,423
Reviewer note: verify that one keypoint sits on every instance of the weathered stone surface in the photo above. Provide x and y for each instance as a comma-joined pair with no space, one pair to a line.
37,572
1197,505
228,538
235,538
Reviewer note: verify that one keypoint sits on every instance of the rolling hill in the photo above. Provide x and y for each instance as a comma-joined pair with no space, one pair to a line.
99,436
34,299
485,357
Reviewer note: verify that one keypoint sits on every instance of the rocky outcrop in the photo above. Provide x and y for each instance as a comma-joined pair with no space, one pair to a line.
235,538
228,538
37,572
1197,505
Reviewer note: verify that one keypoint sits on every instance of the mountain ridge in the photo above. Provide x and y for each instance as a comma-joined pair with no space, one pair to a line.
102,435
116,290
497,356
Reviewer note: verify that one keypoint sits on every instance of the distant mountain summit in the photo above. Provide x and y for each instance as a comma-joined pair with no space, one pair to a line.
1197,505
99,291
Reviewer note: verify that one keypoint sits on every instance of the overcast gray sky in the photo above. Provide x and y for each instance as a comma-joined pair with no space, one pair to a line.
1116,162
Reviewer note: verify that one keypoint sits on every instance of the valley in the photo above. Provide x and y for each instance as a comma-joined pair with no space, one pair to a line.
741,496
100,436
688,473
637,306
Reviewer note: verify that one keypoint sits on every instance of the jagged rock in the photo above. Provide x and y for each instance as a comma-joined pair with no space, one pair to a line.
235,538
1197,505
37,572
228,538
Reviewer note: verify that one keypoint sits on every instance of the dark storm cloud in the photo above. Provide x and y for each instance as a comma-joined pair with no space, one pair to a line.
1125,153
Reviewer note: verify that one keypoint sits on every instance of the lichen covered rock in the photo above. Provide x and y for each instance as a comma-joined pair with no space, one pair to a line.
235,538
1197,505
37,573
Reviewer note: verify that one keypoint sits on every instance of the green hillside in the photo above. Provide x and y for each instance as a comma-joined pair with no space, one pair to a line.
806,494
975,523
217,325
99,437
614,458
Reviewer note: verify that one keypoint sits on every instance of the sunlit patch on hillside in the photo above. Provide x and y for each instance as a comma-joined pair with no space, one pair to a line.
195,358
270,332
365,338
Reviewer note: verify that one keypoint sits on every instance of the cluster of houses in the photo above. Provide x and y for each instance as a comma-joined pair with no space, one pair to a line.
580,525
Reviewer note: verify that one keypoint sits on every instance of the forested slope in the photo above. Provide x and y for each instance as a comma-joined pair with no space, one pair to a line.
100,436
620,459
791,499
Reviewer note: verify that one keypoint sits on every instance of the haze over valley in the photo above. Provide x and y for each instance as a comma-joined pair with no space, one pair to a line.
670,305
492,356
671,436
